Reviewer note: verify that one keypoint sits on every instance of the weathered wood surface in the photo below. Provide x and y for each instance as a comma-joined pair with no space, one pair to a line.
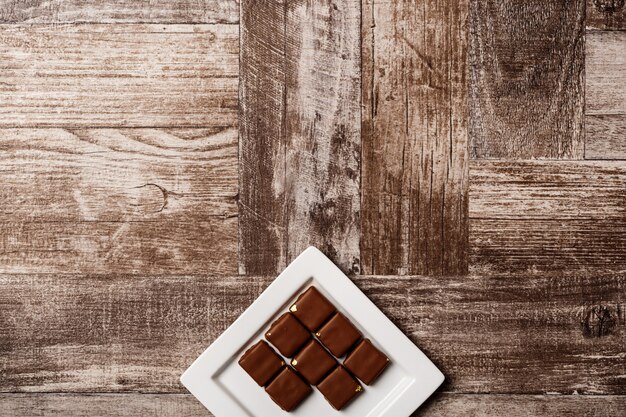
125,200
120,175
148,247
606,95
546,216
606,15
498,334
447,404
415,172
110,405
526,79
133,75
175,405
119,11
300,132
605,136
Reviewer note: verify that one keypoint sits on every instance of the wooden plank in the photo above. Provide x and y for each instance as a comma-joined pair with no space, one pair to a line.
546,216
442,404
132,75
604,136
300,132
448,404
494,334
606,15
606,95
526,79
58,175
125,200
150,247
606,73
111,405
112,333
119,11
415,172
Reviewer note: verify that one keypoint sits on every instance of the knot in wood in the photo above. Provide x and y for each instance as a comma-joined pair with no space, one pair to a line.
608,6
598,321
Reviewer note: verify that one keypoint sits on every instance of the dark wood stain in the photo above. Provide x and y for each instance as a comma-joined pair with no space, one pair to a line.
606,15
415,172
526,79
600,321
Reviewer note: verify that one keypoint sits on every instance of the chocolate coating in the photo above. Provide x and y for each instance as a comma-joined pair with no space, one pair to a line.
313,362
339,388
312,309
288,390
366,362
261,362
287,335
338,335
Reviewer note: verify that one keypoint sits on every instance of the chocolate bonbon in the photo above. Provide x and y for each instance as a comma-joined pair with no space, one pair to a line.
338,335
287,334
339,388
313,362
261,362
288,390
366,362
312,309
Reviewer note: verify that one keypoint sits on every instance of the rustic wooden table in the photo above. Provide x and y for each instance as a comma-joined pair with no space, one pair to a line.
463,160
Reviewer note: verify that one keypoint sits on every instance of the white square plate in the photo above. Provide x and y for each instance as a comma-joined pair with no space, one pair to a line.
222,386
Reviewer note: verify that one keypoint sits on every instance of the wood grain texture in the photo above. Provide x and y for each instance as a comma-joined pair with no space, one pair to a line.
498,334
149,247
118,175
110,405
118,75
606,95
547,216
300,132
606,15
119,333
124,200
119,11
526,79
174,405
415,172
604,136
448,404
606,73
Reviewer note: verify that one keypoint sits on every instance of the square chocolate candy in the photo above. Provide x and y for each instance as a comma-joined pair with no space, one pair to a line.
313,362
366,362
288,390
339,388
287,335
312,309
261,362
338,335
